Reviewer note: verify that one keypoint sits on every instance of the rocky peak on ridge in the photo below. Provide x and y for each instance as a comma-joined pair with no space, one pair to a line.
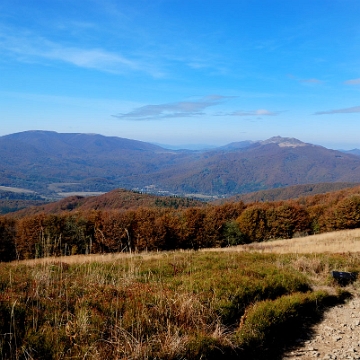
284,142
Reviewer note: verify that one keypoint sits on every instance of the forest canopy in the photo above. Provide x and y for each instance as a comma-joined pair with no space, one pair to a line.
163,228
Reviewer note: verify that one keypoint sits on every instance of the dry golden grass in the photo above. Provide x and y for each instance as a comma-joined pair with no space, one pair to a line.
184,304
102,258
334,242
344,241
75,259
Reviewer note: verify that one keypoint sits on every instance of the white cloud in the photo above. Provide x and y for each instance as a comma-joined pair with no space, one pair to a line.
266,112
173,110
259,112
29,48
352,82
312,81
92,58
355,109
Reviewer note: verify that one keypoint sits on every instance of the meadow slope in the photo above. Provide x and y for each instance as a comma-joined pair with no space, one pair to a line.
231,303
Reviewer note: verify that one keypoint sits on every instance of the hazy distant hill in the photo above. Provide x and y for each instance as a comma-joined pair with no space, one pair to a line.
48,162
353,152
236,145
290,192
274,163
34,159
79,145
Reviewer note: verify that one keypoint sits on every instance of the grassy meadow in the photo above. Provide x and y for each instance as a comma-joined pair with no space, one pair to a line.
245,302
343,241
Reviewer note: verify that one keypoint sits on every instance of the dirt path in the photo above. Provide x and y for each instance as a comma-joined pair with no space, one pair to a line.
336,337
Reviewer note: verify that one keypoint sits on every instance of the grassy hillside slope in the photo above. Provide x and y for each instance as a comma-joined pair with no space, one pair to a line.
188,305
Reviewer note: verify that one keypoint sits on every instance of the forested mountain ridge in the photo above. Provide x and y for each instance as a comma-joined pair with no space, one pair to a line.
123,200
73,229
37,160
263,166
289,192
119,200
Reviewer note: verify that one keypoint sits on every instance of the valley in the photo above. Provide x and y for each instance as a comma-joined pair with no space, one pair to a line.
54,165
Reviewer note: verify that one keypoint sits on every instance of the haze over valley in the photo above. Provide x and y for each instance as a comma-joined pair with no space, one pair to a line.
51,164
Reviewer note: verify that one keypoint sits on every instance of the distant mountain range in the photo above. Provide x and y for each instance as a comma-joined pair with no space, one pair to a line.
353,152
51,163
290,192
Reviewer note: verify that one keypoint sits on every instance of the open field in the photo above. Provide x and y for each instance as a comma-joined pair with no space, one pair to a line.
80,193
345,241
333,242
16,190
231,303
307,252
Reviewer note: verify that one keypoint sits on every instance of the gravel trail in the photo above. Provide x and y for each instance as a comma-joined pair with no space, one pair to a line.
337,336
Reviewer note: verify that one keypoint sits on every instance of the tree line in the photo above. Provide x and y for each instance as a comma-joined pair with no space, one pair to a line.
152,229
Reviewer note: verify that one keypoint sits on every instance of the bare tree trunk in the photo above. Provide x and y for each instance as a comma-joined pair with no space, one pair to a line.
129,239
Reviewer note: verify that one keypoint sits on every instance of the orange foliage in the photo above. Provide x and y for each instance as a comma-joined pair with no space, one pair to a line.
154,228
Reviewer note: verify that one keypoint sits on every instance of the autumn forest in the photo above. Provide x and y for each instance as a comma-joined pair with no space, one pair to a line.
163,227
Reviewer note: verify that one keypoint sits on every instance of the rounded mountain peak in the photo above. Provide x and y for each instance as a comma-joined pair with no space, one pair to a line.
284,142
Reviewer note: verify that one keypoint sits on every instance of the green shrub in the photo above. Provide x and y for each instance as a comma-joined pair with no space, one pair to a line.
269,321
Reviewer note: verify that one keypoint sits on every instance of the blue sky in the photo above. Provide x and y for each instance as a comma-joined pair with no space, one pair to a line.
183,72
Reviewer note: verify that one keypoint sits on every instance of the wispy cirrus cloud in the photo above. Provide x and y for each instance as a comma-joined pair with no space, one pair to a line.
259,112
27,47
173,110
312,81
352,82
355,109
90,58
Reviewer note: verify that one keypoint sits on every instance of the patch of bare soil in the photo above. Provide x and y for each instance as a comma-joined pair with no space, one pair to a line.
337,336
